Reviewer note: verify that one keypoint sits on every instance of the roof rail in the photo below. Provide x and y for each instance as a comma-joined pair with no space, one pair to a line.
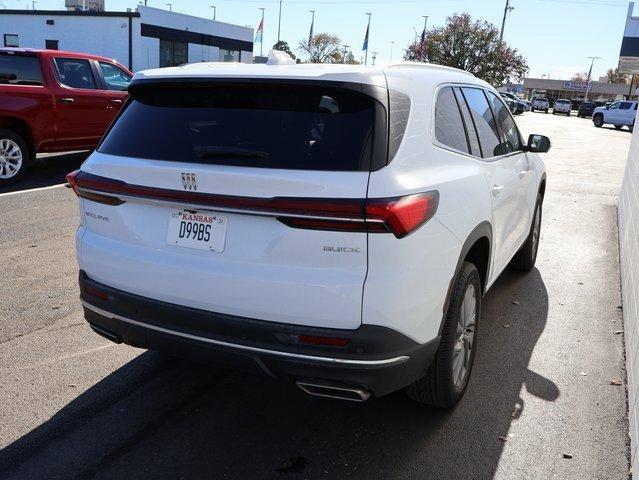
434,66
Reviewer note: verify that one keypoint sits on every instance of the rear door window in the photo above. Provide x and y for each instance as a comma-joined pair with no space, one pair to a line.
271,125
75,73
114,77
20,70
449,127
484,121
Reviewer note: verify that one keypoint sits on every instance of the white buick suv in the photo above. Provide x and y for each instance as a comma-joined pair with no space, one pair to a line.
335,226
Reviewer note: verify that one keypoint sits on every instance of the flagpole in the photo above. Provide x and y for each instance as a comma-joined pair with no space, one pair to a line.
589,74
310,35
368,29
262,37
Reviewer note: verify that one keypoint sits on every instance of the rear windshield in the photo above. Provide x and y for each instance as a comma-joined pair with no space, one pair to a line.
563,102
542,99
302,127
20,70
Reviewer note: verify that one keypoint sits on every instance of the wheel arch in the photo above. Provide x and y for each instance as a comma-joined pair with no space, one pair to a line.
542,187
22,128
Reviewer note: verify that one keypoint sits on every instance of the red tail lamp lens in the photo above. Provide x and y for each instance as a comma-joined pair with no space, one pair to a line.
327,341
71,178
404,215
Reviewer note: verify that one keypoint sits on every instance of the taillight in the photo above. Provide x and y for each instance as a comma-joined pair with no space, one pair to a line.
71,179
399,215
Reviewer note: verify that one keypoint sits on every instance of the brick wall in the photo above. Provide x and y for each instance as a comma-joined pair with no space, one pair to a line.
629,252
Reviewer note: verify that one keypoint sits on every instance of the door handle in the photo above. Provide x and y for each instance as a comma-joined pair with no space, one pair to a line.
116,100
496,189
67,100
522,173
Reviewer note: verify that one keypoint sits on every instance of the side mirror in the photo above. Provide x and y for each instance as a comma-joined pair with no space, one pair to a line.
538,143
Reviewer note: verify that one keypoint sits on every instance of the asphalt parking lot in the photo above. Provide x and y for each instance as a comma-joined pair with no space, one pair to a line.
540,403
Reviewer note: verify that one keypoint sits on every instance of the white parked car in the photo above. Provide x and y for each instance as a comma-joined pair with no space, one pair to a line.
332,225
540,103
562,105
618,114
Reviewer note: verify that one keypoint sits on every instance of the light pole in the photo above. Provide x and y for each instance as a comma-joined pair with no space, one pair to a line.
170,5
262,34
279,23
310,33
346,47
507,9
592,62
214,11
425,17
368,29
374,57
415,30
391,53
33,5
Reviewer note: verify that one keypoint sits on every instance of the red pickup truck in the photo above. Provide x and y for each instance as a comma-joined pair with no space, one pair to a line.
54,101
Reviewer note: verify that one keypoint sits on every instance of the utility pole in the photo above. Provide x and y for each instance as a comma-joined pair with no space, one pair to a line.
279,23
415,30
391,54
507,9
592,62
262,37
368,29
346,47
374,57
310,34
425,17
33,5
214,11
170,5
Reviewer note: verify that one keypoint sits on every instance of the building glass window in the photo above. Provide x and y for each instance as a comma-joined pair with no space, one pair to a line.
229,55
51,44
173,53
11,40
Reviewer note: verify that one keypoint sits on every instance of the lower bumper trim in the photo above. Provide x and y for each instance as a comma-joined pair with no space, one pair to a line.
327,360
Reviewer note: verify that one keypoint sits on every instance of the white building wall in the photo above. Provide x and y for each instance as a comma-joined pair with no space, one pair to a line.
629,256
106,36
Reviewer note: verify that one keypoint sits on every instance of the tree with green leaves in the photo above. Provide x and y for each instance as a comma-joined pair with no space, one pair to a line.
323,48
471,45
283,46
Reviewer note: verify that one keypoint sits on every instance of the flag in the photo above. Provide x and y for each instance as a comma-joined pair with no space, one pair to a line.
258,33
310,34
365,46
423,35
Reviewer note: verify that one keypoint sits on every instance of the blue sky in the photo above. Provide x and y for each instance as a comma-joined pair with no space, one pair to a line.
555,36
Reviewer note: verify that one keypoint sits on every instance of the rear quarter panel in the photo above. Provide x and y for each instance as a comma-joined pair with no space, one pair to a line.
408,278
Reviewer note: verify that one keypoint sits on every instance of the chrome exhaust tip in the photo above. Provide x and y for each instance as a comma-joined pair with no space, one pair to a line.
352,394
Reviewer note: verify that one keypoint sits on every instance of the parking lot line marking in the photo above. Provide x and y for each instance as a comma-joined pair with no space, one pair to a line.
37,189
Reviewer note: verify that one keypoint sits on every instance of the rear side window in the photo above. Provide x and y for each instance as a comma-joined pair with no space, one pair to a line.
484,121
506,125
449,127
473,141
75,73
287,126
20,70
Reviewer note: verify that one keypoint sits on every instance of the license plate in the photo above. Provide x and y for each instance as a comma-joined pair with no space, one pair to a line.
200,230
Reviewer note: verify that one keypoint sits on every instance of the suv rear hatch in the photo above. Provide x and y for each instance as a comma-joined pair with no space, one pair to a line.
241,197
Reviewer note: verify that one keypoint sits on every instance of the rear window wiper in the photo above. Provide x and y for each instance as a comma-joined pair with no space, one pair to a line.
205,152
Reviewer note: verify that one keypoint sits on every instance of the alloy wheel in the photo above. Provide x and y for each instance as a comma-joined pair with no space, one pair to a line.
464,336
10,158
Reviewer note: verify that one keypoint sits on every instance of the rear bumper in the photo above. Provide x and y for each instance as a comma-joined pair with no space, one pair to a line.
379,359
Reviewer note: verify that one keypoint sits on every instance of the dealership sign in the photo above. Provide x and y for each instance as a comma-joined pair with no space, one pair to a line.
576,86
629,54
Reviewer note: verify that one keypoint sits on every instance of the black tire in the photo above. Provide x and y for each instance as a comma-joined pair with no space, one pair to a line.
546,111
524,259
597,120
438,387
15,139
568,114
618,127
631,127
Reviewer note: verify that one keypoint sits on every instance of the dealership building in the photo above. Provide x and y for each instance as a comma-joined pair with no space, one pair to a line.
145,38
598,91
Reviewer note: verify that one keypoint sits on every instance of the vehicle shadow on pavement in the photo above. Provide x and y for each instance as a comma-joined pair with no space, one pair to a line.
158,417
47,170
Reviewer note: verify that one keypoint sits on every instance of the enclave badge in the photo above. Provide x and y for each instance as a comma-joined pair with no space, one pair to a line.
189,181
